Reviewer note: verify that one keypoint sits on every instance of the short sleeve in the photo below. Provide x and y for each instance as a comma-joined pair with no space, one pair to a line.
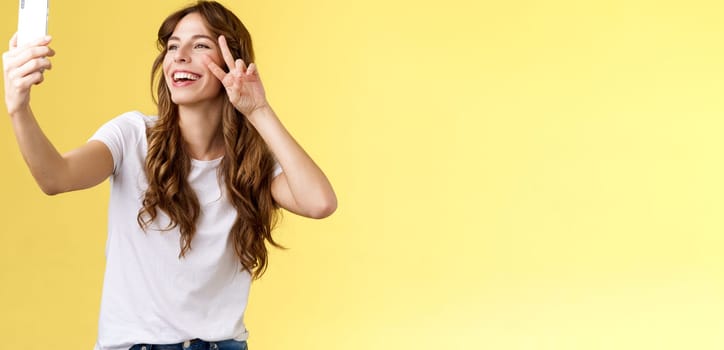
119,133
277,170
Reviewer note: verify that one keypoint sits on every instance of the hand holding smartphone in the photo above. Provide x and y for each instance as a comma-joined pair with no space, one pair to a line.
32,21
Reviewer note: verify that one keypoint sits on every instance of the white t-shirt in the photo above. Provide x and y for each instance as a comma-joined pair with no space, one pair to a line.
150,295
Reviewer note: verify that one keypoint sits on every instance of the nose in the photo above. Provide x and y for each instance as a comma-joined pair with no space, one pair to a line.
180,56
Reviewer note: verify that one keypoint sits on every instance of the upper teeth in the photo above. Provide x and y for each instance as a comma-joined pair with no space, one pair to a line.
184,75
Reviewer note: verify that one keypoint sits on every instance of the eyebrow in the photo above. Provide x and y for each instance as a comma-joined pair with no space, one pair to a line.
197,36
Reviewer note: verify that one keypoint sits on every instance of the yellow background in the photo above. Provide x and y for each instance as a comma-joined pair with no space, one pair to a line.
511,174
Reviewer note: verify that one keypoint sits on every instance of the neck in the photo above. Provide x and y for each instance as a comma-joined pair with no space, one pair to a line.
201,130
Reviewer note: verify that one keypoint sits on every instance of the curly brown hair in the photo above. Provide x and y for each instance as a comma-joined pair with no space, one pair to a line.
247,166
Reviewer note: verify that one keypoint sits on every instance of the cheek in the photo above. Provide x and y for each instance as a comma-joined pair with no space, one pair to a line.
216,87
216,58
165,64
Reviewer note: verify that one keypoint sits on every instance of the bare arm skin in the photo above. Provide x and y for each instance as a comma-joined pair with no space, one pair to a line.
81,168
303,188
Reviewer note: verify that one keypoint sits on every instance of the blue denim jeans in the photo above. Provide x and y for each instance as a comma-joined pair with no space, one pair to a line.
195,344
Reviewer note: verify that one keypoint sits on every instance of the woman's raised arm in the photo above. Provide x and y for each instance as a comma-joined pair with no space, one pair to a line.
84,167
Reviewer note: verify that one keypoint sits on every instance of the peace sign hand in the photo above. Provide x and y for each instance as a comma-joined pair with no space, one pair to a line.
242,83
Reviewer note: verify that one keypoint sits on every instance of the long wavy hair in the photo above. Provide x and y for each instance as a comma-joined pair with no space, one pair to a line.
246,169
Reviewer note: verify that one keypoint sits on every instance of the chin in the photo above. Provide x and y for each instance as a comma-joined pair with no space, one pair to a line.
195,97
183,99
179,101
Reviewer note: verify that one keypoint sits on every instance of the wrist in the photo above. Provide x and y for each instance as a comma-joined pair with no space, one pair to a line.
259,113
19,111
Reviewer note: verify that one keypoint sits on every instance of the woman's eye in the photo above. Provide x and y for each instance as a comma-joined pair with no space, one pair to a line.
172,47
202,46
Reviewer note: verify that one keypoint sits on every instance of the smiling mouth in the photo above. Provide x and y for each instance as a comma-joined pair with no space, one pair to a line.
185,76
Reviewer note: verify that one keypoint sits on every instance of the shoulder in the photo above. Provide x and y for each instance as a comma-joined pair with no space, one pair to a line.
128,126
125,135
135,119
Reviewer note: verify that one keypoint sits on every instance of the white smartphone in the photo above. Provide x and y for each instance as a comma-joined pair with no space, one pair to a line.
32,20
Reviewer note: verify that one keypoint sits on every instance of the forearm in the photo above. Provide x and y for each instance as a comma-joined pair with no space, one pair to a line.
45,163
307,182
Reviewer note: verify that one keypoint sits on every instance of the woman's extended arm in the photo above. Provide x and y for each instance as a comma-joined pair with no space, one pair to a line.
84,167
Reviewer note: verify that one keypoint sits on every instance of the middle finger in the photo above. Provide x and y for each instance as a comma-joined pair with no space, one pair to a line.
32,66
30,53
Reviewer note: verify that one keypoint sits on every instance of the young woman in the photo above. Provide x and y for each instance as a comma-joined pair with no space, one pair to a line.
194,190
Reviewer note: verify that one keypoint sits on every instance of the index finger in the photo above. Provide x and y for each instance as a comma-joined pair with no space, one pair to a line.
214,68
226,53
41,41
